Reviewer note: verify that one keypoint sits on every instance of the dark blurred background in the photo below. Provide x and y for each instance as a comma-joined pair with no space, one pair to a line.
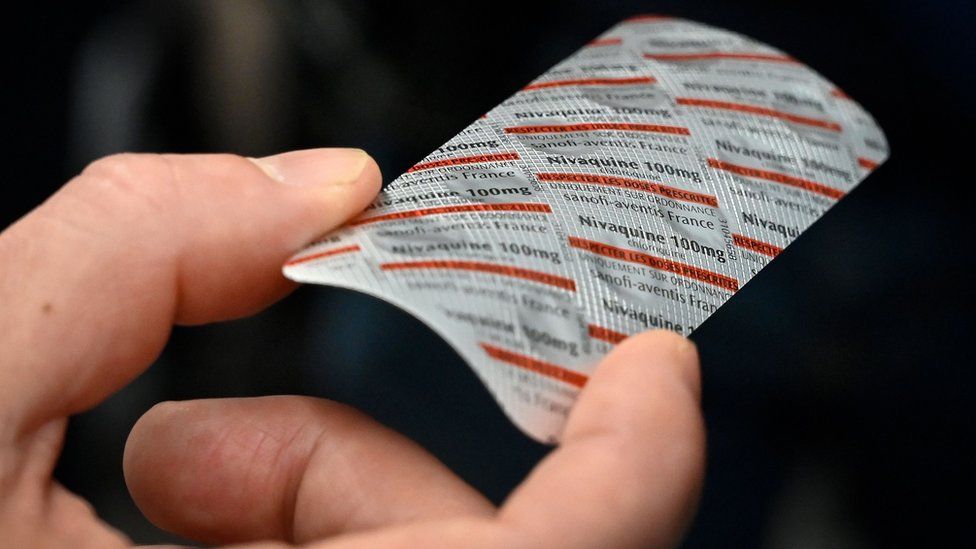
836,384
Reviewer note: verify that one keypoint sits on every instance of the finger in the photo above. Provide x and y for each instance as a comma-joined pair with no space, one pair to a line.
93,279
629,469
628,472
288,468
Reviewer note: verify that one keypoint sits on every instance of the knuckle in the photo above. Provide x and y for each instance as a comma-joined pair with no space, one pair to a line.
143,181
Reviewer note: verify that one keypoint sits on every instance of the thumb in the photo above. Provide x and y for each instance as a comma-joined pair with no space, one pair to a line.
93,279
304,195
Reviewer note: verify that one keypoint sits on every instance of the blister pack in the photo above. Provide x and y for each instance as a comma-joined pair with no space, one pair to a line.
637,184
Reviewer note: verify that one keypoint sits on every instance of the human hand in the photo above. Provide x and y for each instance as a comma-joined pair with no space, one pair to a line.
91,283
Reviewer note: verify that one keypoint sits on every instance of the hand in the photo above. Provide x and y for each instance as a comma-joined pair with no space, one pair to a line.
91,283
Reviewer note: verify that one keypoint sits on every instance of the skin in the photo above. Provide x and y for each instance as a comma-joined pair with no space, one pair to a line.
91,283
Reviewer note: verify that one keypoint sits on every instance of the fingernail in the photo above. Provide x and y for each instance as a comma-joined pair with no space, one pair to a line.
315,166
